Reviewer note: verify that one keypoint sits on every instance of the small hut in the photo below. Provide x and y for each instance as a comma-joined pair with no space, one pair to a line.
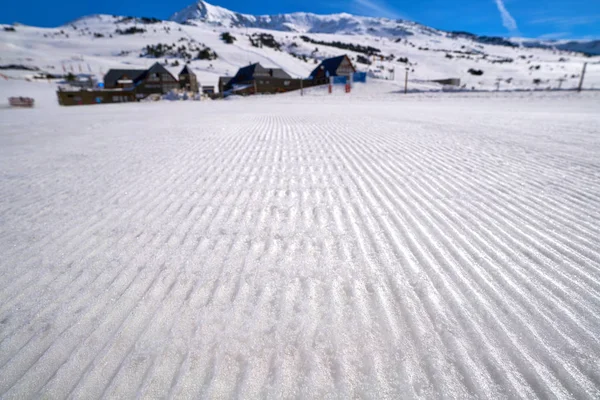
336,66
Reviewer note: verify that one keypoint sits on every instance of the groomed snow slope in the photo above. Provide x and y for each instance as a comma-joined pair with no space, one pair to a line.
330,247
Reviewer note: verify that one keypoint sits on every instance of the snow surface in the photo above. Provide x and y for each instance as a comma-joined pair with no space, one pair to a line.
338,246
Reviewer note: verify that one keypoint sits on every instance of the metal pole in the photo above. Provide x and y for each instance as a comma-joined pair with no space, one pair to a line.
406,82
301,87
582,75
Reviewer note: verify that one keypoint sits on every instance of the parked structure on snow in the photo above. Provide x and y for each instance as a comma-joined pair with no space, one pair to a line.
336,66
27,102
188,80
155,79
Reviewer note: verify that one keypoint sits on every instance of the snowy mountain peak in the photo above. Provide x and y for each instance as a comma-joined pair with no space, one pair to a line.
205,12
342,23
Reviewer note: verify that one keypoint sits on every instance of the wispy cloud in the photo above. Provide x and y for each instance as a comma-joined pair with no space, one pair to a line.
374,8
561,27
507,20
567,22
554,35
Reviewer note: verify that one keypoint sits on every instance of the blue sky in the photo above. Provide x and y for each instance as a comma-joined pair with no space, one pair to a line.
552,19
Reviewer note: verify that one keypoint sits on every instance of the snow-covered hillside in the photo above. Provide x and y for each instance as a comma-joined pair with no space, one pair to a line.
295,42
353,25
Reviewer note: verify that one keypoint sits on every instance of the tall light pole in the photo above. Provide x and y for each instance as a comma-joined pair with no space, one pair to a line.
582,75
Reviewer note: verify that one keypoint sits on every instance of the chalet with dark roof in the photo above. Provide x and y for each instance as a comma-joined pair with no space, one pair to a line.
336,66
257,71
255,78
156,79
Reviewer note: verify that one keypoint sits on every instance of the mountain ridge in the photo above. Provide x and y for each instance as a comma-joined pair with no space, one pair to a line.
349,24
300,22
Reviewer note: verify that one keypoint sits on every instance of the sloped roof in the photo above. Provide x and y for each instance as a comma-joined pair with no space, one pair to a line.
186,71
113,75
157,68
248,72
136,75
279,73
329,65
256,70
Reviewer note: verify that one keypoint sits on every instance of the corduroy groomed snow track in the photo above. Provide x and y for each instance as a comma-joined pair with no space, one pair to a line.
316,248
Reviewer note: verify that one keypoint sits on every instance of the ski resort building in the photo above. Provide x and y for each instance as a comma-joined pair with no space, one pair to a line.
336,66
255,78
188,80
155,79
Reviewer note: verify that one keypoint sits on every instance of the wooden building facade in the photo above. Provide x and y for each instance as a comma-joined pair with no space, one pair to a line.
88,97
188,80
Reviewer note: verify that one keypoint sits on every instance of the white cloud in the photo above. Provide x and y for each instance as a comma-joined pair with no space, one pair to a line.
554,35
568,22
507,20
374,9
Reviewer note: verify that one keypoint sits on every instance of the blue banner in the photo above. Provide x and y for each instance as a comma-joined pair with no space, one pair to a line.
360,77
